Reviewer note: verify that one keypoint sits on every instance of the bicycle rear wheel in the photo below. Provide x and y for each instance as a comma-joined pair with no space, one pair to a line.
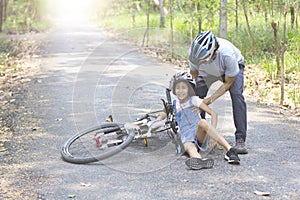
96,143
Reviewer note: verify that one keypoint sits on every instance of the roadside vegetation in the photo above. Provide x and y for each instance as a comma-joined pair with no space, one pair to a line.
16,64
23,16
267,33
17,69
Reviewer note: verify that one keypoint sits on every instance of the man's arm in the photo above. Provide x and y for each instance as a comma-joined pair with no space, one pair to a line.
222,89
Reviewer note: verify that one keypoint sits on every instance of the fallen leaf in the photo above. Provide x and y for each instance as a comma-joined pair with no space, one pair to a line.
86,184
71,196
260,193
2,149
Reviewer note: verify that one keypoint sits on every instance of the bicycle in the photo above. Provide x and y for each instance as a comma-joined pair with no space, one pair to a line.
107,139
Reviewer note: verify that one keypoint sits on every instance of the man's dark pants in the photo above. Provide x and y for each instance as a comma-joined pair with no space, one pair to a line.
239,106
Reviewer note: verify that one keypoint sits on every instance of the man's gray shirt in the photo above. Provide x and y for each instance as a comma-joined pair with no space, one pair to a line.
226,62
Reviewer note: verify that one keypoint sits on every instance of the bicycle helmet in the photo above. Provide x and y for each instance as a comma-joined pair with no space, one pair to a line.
183,76
203,48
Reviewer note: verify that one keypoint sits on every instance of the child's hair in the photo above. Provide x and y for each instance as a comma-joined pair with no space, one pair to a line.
191,87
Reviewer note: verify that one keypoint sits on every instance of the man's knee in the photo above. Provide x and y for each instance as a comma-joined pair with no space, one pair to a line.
237,98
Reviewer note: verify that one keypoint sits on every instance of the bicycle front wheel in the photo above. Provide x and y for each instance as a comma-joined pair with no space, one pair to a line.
96,143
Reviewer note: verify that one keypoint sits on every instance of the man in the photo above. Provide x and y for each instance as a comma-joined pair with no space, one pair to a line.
212,59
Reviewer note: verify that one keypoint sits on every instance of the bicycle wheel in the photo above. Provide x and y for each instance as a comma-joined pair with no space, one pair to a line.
96,143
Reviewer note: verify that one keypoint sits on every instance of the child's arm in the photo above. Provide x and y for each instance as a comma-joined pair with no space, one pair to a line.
158,122
212,113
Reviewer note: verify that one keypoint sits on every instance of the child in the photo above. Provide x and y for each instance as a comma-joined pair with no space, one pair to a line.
194,131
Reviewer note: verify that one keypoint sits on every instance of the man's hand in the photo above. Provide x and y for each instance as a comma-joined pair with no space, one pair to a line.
194,73
222,89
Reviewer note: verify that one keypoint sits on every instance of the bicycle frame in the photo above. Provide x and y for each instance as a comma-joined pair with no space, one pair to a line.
142,130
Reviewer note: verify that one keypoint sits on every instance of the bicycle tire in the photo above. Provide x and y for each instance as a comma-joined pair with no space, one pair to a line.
90,152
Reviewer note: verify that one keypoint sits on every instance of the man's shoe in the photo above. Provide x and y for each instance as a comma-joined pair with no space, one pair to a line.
240,147
232,157
198,163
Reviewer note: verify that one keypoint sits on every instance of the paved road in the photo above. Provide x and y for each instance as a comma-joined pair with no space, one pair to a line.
86,76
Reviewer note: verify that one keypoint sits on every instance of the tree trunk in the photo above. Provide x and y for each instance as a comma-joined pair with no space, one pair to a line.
4,10
132,14
192,21
162,14
171,27
275,28
237,15
223,18
265,14
12,5
199,17
1,14
292,9
248,27
297,13
282,58
272,8
146,34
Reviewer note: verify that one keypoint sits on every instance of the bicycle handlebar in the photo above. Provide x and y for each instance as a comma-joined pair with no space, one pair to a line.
168,105
168,95
142,118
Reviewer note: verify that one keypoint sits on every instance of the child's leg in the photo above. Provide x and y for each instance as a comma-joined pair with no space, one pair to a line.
191,149
204,129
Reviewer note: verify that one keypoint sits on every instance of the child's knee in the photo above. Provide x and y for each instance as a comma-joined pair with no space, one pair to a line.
203,124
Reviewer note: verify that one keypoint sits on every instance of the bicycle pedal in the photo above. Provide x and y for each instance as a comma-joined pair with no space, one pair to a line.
109,119
145,142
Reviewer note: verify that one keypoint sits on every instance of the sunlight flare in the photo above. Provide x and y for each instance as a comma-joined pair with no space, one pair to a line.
72,11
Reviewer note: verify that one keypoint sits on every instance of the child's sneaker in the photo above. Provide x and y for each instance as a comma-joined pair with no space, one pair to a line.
198,163
232,157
